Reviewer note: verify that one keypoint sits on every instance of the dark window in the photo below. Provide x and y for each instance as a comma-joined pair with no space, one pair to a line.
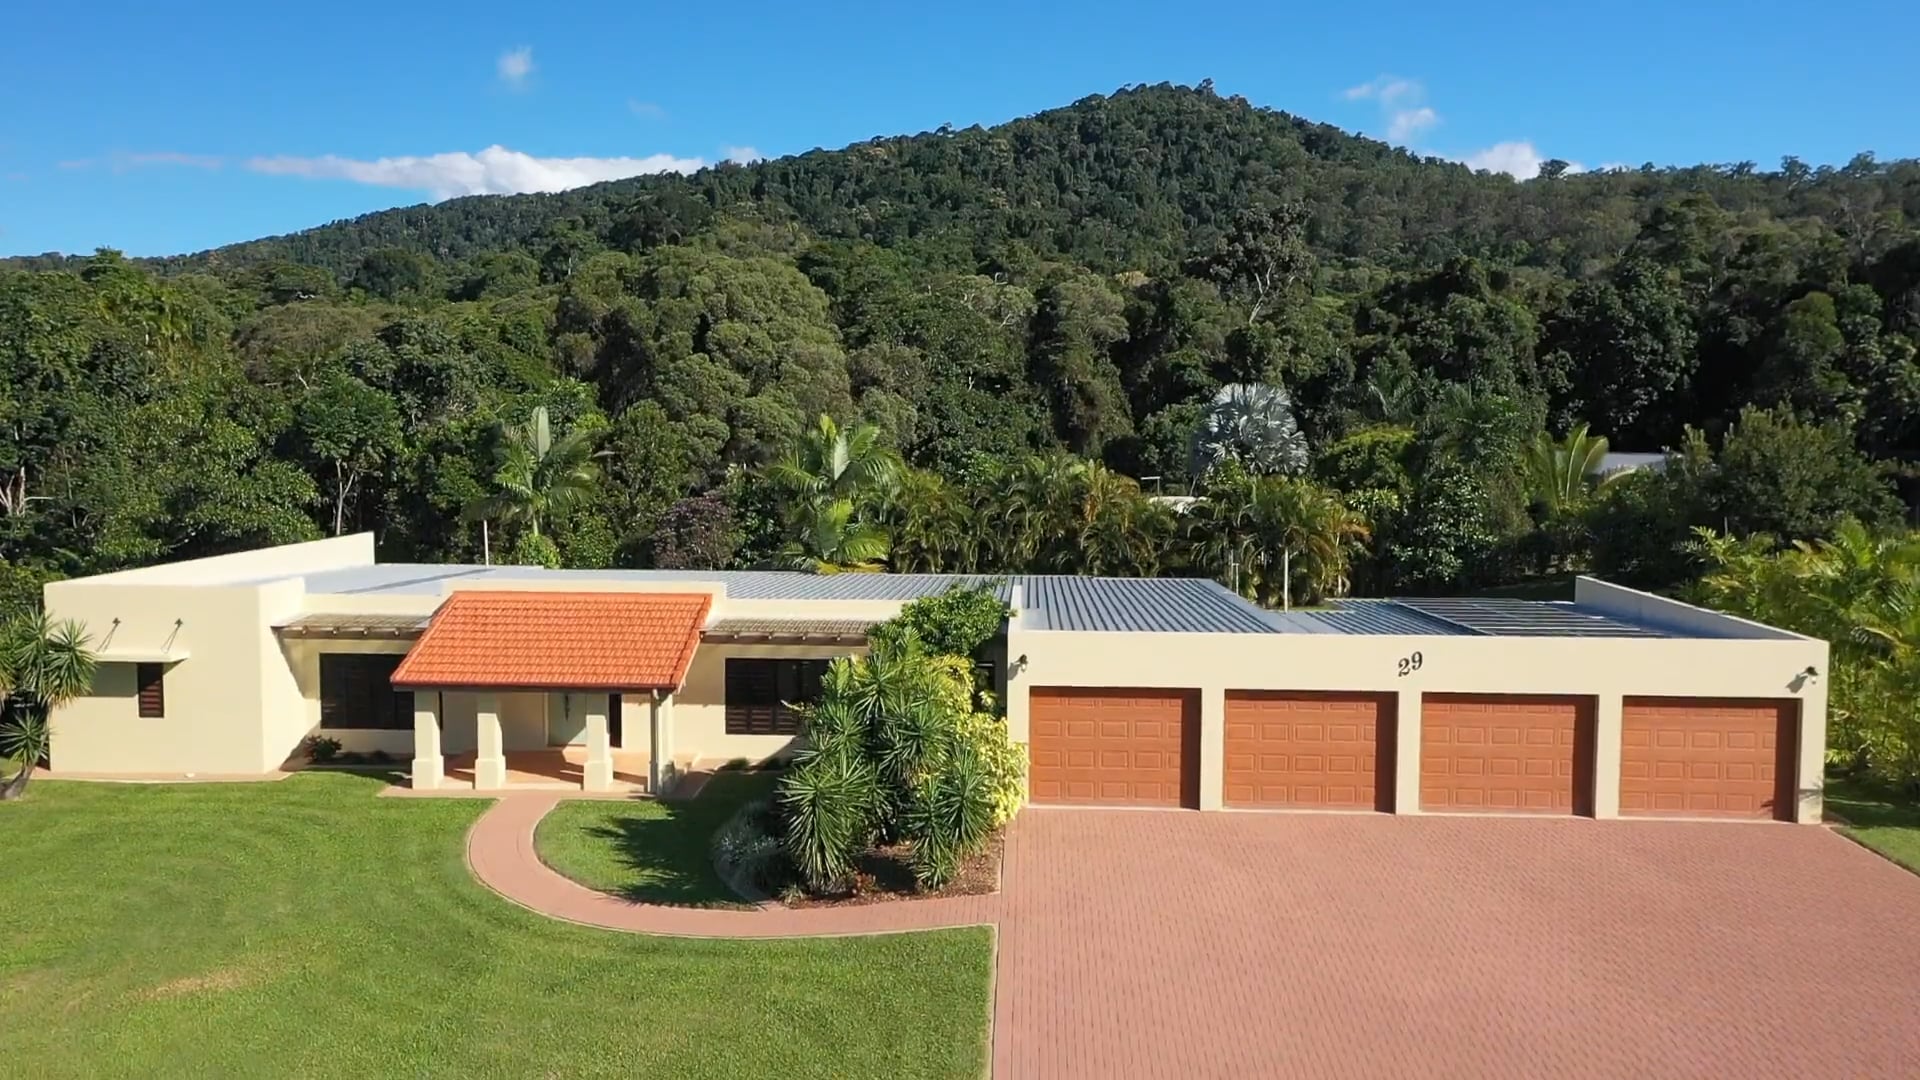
759,693
150,678
356,691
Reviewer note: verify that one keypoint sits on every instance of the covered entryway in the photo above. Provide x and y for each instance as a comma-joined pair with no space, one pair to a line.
1506,753
1703,757
1109,746
546,672
1316,751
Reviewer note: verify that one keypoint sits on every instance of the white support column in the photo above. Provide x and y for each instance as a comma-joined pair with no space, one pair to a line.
1608,710
1213,747
1406,753
428,766
659,707
490,759
1810,766
597,774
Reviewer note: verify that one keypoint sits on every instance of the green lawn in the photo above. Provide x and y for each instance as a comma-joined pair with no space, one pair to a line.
647,850
1888,825
306,928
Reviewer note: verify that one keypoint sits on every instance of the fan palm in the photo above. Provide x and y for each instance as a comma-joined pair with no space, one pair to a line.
1252,424
43,665
537,475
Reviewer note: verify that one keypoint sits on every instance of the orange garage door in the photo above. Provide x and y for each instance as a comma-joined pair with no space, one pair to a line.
1114,747
1306,750
1707,758
1505,752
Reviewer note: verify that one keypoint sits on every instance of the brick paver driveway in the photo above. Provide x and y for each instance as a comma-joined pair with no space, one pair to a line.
1151,944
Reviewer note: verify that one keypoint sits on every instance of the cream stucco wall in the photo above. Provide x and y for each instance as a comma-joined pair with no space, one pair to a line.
699,709
242,698
1597,667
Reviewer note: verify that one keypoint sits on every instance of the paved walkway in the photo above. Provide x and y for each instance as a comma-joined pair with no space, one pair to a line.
1169,944
500,850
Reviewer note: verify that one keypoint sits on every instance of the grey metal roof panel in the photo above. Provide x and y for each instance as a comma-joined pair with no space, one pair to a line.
1508,617
1141,605
1381,617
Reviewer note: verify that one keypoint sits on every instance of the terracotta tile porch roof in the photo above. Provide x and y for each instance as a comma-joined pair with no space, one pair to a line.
514,640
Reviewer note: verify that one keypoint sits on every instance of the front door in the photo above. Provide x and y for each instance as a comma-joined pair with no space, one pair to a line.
613,722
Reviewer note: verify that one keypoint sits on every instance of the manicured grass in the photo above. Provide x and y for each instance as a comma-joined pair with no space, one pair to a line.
306,928
646,850
1883,822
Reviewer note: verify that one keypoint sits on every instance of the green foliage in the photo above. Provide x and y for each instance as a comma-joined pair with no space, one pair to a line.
321,749
1277,539
1861,592
1796,480
43,665
994,307
894,749
958,622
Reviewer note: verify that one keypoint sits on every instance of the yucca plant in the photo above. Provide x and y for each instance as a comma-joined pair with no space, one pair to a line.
43,665
951,815
828,800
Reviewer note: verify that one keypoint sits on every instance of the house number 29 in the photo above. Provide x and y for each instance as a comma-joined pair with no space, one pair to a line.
1410,663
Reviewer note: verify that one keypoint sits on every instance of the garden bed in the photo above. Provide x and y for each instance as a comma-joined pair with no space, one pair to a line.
885,874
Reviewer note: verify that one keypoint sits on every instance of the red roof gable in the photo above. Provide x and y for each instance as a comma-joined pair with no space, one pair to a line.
507,640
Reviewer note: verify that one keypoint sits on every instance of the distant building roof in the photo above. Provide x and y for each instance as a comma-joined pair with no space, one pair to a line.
1625,461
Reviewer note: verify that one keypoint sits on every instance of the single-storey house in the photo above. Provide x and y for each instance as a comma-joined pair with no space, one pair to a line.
1139,692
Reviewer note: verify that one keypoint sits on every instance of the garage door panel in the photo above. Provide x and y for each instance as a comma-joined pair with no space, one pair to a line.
1107,746
1498,752
1703,757
1306,750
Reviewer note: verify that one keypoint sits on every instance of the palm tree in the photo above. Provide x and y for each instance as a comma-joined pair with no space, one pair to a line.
43,665
928,525
1265,534
833,462
830,538
1561,475
1252,424
538,476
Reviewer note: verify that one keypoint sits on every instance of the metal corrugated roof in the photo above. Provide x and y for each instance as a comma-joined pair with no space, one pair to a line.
1379,617
1143,605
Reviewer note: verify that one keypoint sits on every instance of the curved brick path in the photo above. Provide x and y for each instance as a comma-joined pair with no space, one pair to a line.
500,851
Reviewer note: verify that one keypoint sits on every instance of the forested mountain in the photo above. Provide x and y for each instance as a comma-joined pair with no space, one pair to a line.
1029,314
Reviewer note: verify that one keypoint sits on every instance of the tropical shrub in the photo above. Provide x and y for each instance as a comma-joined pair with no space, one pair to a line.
950,815
958,622
43,665
895,750
985,737
748,853
321,749
1859,591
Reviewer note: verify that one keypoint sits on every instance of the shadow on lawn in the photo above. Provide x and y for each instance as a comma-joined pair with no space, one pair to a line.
670,850
1865,806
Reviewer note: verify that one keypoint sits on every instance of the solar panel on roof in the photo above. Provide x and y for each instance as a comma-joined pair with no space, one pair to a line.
1500,617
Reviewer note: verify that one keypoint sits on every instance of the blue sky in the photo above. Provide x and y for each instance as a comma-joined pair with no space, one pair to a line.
169,128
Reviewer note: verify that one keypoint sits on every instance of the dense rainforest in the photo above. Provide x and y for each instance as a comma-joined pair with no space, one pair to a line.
1391,371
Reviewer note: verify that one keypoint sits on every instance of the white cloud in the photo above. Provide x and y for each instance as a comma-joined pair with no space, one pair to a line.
741,155
1407,123
1402,105
646,108
493,171
1388,90
515,65
1519,159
